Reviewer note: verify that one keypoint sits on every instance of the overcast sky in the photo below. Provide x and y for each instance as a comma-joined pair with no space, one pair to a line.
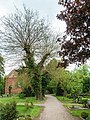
46,8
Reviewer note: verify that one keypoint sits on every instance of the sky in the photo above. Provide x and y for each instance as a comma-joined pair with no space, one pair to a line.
47,9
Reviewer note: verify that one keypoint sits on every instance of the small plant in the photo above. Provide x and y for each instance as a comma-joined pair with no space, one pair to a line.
84,102
88,118
84,115
10,88
8,111
31,105
21,95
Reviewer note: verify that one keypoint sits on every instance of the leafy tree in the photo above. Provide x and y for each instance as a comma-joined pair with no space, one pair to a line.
75,46
59,75
76,85
86,84
85,76
51,87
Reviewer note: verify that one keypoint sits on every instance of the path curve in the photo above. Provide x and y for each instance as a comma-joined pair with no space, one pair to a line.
54,110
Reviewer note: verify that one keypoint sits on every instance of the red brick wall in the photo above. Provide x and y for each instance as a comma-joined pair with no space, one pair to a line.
12,81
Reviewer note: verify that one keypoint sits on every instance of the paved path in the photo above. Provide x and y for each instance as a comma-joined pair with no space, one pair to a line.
54,110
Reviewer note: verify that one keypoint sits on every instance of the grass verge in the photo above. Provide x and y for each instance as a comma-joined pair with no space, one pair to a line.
19,100
32,111
68,102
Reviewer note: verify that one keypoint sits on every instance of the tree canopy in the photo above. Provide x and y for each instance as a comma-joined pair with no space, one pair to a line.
75,45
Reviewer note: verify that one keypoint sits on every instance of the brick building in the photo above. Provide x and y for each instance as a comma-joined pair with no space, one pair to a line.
11,80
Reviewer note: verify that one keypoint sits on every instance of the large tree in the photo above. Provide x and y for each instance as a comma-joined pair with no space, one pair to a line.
75,45
24,36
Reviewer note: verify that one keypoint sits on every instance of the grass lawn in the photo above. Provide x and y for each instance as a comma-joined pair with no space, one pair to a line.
19,100
33,112
78,112
64,99
22,108
68,102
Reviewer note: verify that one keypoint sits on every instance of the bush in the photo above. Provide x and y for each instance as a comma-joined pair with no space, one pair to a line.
68,96
88,118
21,95
8,111
84,101
28,92
84,115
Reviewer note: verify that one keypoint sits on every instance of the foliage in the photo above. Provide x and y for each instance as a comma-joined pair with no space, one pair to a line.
86,84
28,92
21,95
76,47
1,88
10,89
8,111
76,85
88,118
51,87
84,115
45,81
84,102
73,83
36,83
59,90
57,74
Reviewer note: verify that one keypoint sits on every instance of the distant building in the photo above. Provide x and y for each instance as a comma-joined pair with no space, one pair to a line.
11,80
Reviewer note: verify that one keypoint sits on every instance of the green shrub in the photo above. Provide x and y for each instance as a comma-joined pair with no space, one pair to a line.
28,92
84,102
21,95
84,115
68,96
8,111
88,118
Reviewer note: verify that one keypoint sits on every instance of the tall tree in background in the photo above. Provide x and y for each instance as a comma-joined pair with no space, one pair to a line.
26,37
75,45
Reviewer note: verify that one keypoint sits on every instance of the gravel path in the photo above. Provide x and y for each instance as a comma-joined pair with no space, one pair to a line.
54,110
